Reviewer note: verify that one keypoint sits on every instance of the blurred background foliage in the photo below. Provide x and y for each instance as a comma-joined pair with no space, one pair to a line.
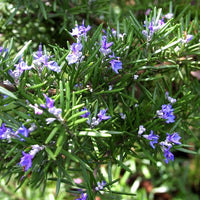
45,21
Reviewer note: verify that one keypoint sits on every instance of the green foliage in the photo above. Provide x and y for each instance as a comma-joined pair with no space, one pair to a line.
113,150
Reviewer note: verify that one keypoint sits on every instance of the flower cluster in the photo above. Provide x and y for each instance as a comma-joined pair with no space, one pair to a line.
153,139
100,185
26,159
95,120
76,55
152,27
168,143
80,31
105,46
7,133
19,69
165,113
105,49
41,61
51,109
116,64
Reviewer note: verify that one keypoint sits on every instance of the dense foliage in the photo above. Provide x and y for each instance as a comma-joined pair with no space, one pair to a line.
92,98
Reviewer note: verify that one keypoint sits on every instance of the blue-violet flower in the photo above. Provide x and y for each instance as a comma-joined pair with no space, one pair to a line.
174,138
105,46
83,197
26,161
166,113
153,139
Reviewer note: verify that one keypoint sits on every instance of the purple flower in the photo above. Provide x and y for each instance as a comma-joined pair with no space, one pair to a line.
105,47
165,144
26,161
42,60
166,113
141,130
53,66
170,99
39,58
22,66
19,68
174,138
32,127
168,143
102,115
148,11
75,55
116,65
23,131
2,131
55,111
42,105
6,133
153,139
189,38
169,15
122,115
80,30
49,101
83,197
36,109
100,185
152,27
94,122
52,109
85,115
35,149
168,155
39,53
156,26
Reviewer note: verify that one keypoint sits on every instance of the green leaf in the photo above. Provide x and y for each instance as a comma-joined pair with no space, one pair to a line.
87,181
61,94
20,53
68,95
52,134
94,133
42,8
123,193
12,15
50,153
7,92
187,151
123,166
110,91
78,121
36,86
78,114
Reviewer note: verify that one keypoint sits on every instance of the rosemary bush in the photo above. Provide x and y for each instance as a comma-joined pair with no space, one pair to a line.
78,108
